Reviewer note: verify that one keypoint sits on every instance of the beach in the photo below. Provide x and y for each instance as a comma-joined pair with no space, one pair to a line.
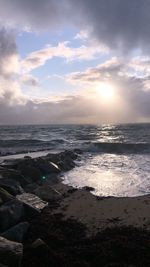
44,222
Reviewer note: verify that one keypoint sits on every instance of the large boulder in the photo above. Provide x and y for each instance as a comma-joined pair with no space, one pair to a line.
12,186
46,167
4,196
10,252
10,214
47,193
15,175
30,172
32,204
17,232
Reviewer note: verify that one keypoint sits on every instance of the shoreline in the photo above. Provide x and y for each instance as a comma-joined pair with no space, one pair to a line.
60,209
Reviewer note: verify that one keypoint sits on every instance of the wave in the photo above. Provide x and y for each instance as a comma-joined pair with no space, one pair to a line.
119,148
29,142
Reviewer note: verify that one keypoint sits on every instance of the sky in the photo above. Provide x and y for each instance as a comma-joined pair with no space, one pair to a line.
83,61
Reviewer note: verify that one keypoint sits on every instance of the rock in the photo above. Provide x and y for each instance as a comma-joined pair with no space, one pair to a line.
10,252
46,167
17,232
5,196
78,151
72,190
33,174
66,164
88,188
15,175
27,157
10,214
33,204
12,186
47,193
1,201
38,243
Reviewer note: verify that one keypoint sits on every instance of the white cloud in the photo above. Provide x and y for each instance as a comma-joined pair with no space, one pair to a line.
62,50
82,35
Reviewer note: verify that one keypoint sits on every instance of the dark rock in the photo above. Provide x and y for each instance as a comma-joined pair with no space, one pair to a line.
47,167
15,175
32,173
38,243
72,190
88,188
17,232
27,157
10,252
78,151
1,201
5,196
12,186
10,214
2,265
41,255
47,193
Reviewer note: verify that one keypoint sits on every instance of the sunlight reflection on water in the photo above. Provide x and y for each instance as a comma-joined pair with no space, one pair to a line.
113,175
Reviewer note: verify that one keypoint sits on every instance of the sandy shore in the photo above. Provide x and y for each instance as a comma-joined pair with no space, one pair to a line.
100,213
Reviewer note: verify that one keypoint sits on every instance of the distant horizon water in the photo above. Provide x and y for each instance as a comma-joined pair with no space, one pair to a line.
115,159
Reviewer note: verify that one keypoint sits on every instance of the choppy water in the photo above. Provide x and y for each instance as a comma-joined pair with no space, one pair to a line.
115,160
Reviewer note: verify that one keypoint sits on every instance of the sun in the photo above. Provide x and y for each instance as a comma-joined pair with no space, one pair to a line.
105,91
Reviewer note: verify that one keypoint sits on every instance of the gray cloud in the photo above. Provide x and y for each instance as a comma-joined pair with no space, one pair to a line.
8,53
122,25
34,14
30,81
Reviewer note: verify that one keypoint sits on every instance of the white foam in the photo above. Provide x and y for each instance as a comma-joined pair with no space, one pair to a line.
113,175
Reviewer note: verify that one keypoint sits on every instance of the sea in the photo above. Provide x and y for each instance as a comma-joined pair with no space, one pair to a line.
115,159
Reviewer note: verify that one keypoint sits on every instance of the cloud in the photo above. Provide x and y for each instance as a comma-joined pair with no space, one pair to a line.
121,25
103,72
8,53
82,35
62,50
132,89
9,68
33,14
30,80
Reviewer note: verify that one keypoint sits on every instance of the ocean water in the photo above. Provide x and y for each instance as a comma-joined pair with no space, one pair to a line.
115,159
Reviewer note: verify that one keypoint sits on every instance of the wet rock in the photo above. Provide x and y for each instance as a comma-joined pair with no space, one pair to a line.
12,186
17,232
10,252
78,151
32,204
46,167
66,164
4,196
72,190
27,157
10,214
88,188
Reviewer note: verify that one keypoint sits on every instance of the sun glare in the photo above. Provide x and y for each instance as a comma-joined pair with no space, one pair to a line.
106,91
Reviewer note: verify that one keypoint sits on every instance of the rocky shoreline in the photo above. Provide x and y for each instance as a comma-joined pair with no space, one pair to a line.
46,223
